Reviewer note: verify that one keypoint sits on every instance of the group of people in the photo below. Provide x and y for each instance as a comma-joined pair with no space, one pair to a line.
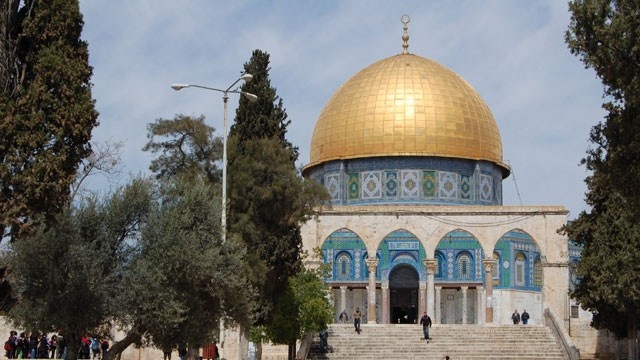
33,346
39,346
516,318
357,315
92,348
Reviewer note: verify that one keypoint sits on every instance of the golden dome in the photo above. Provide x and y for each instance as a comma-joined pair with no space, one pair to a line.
406,105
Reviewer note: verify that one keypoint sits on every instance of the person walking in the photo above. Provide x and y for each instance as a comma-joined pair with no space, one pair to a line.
425,321
356,319
525,317
343,317
515,317
104,348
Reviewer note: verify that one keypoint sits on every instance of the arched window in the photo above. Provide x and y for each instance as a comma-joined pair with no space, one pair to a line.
537,273
344,267
495,272
440,266
464,266
520,269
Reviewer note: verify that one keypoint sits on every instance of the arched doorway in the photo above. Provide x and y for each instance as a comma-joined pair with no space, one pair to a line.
403,286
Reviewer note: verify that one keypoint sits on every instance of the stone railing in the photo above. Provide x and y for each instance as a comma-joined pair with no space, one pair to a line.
560,333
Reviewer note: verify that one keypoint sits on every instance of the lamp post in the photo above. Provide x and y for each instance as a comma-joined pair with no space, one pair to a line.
225,98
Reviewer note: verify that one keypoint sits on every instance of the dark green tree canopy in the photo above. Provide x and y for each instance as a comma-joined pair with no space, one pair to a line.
186,147
268,199
267,117
46,110
605,34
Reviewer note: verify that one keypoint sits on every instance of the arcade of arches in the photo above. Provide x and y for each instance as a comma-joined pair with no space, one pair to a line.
465,265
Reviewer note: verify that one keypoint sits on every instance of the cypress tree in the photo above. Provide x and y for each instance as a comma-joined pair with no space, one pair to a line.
47,113
605,34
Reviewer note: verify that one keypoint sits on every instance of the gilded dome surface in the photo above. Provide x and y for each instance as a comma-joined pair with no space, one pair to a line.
406,105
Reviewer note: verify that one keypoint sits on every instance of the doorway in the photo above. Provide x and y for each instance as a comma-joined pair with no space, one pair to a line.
403,286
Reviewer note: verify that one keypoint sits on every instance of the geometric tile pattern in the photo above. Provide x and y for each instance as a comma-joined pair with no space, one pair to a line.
486,187
332,184
465,187
390,184
371,185
409,184
429,183
353,186
447,185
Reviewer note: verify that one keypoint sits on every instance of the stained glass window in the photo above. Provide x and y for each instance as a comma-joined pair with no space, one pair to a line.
464,266
344,265
520,266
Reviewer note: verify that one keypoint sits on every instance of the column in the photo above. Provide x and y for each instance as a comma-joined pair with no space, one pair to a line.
430,265
488,285
436,315
422,298
479,305
371,314
343,299
464,304
385,302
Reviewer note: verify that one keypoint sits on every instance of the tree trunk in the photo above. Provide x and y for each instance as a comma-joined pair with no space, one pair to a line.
193,353
118,347
632,335
259,351
243,346
292,351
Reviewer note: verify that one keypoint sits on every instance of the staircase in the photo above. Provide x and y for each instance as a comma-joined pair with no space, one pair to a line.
460,342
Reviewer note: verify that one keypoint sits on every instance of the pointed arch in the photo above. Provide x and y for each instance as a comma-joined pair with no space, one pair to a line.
520,264
344,250
401,247
461,254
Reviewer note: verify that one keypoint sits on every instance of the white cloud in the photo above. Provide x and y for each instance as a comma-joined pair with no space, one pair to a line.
512,53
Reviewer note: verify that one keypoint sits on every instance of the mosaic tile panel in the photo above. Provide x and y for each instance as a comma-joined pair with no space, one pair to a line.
429,183
391,184
450,265
465,187
409,184
332,184
447,185
357,257
486,188
371,185
353,186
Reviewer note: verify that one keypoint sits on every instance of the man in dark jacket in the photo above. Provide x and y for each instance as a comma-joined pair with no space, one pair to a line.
525,317
425,321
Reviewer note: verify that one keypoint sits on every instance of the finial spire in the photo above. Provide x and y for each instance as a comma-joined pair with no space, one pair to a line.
405,19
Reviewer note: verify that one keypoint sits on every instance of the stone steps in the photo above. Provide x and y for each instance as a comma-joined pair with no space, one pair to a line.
458,341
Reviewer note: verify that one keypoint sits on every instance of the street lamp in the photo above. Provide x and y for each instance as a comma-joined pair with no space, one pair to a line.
225,97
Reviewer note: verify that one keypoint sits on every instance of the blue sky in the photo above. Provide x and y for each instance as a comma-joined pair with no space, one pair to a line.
512,52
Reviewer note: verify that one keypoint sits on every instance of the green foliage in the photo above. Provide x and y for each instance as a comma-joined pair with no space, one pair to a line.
268,198
69,275
188,148
605,35
195,275
267,117
150,260
305,308
46,108
610,264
